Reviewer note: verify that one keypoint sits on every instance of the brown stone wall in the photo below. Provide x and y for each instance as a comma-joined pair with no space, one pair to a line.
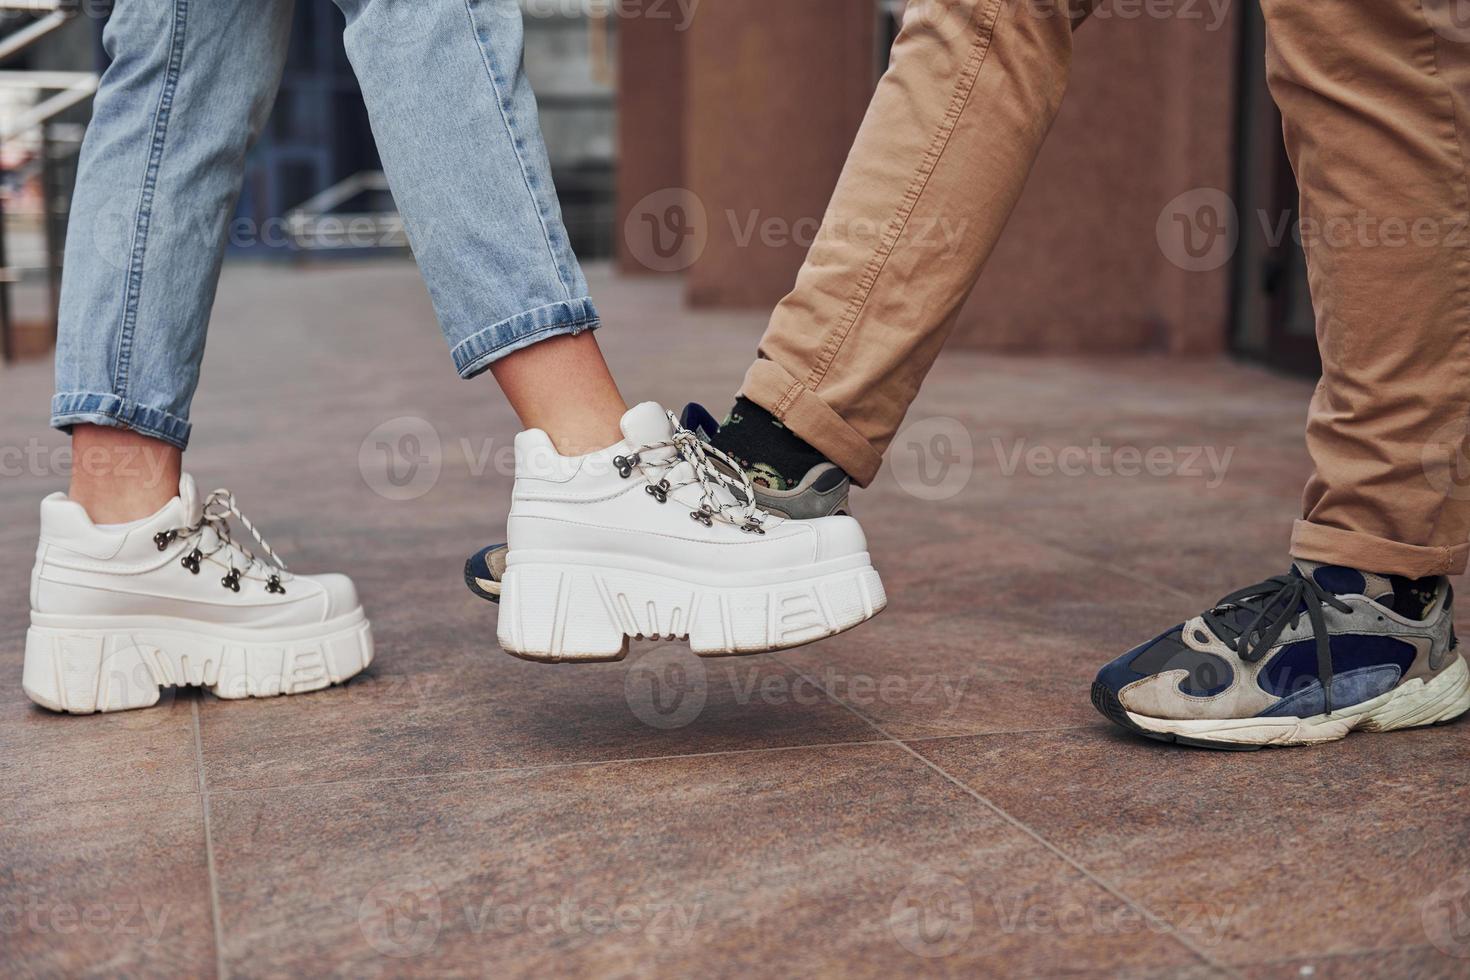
1149,116
777,89
651,85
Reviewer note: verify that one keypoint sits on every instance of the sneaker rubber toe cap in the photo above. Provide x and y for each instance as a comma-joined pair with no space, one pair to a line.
340,592
838,537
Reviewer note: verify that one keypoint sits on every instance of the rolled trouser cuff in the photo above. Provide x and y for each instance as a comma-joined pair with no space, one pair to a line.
1369,553
481,349
82,407
803,411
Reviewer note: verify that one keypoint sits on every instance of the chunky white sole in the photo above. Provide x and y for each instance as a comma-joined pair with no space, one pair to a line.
1410,705
83,664
558,612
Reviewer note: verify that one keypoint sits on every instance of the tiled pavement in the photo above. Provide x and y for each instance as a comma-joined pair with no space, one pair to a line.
930,794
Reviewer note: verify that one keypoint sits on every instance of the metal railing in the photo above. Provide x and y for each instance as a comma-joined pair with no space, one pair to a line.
54,143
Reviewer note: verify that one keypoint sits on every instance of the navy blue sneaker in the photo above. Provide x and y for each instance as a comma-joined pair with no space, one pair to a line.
484,570
1298,659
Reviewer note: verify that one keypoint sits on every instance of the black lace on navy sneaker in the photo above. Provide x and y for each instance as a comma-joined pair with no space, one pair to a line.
1276,603
735,506
218,509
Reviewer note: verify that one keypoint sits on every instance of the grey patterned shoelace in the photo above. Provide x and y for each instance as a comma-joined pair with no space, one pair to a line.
219,509
1273,605
725,496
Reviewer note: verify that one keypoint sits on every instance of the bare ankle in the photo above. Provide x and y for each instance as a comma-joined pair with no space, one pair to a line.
563,386
119,475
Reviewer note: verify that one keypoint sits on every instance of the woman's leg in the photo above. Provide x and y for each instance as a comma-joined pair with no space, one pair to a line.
138,584
187,91
458,133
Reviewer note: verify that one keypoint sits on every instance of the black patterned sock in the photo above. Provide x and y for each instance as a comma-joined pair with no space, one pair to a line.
771,454
1412,597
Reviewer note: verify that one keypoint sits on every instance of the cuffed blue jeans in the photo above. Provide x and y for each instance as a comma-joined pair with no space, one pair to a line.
190,85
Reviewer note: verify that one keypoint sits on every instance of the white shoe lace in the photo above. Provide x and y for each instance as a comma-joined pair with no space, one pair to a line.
219,508
725,496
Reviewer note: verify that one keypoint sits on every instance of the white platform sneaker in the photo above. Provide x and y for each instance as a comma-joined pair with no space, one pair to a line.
649,539
117,614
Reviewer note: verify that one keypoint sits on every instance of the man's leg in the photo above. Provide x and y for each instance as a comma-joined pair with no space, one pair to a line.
1376,128
137,583
948,142
1360,634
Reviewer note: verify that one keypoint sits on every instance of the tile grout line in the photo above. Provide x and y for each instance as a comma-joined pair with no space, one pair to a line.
1029,832
1136,577
214,911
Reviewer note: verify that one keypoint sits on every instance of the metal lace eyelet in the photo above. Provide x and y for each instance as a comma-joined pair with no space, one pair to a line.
752,527
625,464
164,538
273,585
659,491
702,516
231,581
191,561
